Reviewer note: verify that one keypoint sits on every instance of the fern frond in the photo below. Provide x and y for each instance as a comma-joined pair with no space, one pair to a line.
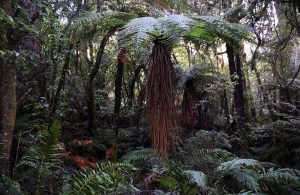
145,30
109,18
237,163
245,179
229,32
137,31
43,157
197,177
139,155
105,178
291,175
244,171
212,154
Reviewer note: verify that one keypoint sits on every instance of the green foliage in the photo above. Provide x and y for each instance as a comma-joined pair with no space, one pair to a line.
203,139
138,155
173,176
230,32
280,181
9,186
7,20
278,141
105,178
145,30
212,155
43,157
207,149
104,19
257,176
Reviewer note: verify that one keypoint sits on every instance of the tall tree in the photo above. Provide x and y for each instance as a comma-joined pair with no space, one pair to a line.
92,125
8,104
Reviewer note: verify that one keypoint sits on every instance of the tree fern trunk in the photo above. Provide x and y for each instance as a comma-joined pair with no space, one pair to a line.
160,99
190,117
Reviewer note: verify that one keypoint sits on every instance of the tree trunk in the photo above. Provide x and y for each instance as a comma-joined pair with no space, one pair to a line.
8,107
190,116
240,100
285,95
92,123
55,96
160,99
118,90
131,95
236,77
8,104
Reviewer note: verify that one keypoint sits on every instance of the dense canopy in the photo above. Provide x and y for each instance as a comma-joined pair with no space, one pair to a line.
149,97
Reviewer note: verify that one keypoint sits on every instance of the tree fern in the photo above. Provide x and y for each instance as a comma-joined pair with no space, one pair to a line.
147,29
105,178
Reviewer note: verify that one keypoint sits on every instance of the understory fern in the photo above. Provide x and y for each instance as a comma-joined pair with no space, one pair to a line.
174,176
212,154
43,157
257,176
139,155
105,178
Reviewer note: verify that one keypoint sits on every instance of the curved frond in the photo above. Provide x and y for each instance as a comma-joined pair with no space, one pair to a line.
110,18
137,31
139,155
237,163
229,32
105,178
147,29
212,154
197,177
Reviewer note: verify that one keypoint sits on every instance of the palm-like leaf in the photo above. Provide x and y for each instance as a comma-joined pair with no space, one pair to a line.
147,29
229,32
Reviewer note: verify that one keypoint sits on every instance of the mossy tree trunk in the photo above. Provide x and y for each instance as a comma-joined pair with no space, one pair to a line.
8,104
237,77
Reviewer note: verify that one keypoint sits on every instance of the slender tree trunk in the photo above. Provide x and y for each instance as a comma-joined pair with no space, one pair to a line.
240,102
225,106
55,96
131,95
236,77
92,123
118,90
8,104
